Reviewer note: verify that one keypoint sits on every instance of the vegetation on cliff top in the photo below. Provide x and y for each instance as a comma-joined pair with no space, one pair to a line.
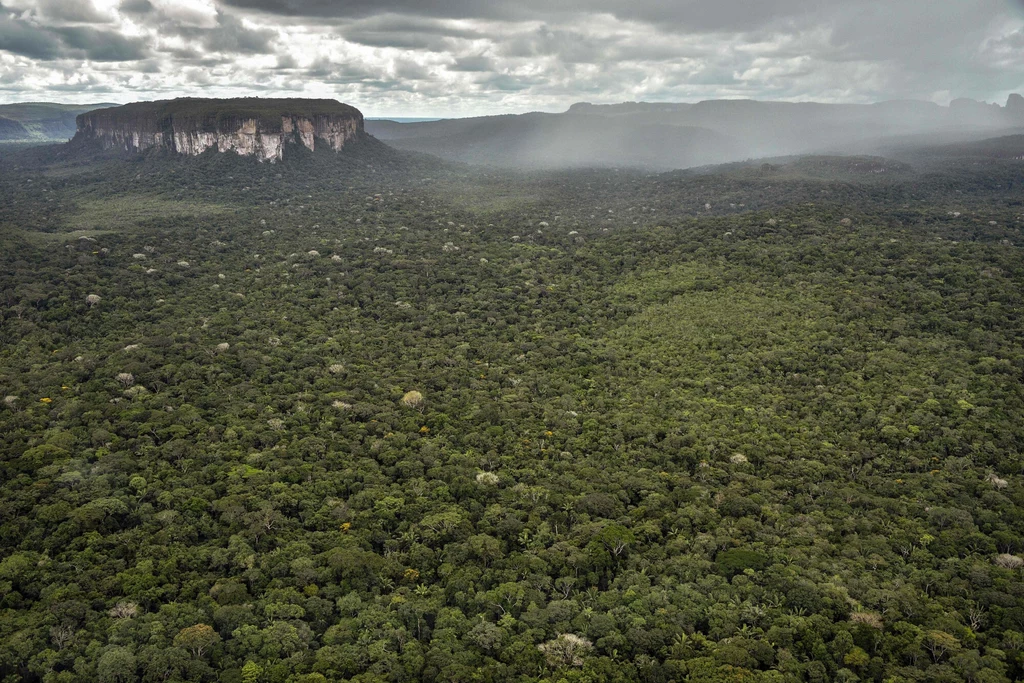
210,113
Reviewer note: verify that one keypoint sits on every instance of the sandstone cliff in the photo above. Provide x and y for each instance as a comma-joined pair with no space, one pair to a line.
251,127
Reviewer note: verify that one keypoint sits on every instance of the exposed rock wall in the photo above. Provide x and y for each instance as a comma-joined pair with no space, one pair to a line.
250,127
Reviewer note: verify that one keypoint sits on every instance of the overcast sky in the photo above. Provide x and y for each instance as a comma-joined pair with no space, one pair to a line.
466,57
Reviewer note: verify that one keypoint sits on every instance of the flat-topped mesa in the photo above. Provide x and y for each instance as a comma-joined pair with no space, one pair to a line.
249,126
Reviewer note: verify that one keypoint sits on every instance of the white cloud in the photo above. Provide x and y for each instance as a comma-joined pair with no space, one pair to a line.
195,13
395,57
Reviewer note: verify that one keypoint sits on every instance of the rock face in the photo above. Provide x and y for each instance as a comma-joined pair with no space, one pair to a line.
263,128
1015,105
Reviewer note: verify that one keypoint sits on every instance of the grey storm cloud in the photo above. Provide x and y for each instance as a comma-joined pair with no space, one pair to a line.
21,38
230,35
409,32
686,15
136,6
62,10
480,63
80,42
704,14
347,9
459,57
101,46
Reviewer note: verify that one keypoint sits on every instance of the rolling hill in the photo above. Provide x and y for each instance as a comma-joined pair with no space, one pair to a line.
41,121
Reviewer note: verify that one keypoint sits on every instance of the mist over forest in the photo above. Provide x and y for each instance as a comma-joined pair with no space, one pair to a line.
666,136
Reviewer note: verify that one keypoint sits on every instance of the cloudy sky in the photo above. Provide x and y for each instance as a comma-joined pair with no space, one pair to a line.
466,57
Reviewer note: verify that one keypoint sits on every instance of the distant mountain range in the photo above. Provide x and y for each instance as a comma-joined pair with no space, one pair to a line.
679,135
658,136
41,121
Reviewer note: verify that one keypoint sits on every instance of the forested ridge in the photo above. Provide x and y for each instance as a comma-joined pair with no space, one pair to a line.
371,418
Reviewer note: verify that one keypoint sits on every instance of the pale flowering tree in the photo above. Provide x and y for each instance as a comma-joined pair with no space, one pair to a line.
124,610
487,479
136,391
125,379
92,299
871,619
1008,561
997,481
413,399
568,649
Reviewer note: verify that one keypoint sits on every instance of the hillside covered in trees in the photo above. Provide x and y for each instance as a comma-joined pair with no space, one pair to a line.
370,418
38,121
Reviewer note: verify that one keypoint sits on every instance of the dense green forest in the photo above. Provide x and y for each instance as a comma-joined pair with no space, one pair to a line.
370,418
